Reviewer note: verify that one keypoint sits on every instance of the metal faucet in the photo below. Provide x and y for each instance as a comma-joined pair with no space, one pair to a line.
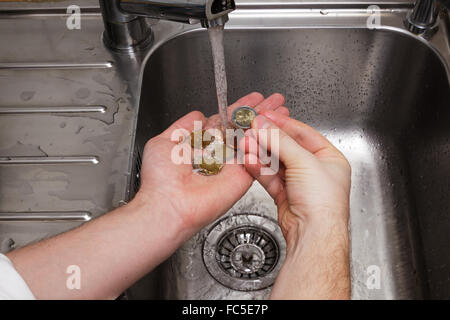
424,18
126,28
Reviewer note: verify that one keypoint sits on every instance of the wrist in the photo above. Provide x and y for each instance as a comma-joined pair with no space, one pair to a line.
158,215
326,227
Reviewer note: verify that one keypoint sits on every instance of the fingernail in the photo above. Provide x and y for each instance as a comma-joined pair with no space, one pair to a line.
261,122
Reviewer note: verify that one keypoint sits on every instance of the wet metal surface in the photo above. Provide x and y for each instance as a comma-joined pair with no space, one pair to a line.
381,96
66,121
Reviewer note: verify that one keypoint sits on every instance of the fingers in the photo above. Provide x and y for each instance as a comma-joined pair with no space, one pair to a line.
272,183
257,101
279,143
249,145
271,103
252,100
303,134
186,123
283,110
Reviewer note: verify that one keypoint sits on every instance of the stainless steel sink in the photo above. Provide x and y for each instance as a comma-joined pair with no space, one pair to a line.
381,96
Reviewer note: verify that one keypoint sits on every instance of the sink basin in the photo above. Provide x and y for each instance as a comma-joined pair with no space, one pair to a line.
381,96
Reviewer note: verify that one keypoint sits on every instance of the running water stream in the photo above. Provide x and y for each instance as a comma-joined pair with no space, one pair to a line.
216,38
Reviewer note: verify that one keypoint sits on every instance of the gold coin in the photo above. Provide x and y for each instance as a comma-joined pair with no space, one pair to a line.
242,117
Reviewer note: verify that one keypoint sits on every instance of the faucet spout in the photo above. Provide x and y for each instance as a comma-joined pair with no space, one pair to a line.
186,11
220,21
126,28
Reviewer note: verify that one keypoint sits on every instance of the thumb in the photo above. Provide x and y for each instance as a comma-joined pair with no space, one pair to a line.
279,143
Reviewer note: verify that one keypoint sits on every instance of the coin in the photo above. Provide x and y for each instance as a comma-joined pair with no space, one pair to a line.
242,117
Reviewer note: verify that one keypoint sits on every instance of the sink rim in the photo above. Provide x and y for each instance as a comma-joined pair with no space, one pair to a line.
390,30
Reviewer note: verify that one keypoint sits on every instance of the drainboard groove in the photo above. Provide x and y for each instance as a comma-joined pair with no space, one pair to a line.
48,160
42,216
54,65
47,109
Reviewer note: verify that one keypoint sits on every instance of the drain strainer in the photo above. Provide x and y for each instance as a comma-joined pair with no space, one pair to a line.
245,252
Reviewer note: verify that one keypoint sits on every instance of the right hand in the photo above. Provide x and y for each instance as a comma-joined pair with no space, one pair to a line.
312,187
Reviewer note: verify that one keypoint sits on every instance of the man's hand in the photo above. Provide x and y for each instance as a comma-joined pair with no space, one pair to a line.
312,194
191,199
116,249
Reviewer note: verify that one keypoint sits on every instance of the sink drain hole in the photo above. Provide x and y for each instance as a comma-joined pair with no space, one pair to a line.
247,252
244,252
